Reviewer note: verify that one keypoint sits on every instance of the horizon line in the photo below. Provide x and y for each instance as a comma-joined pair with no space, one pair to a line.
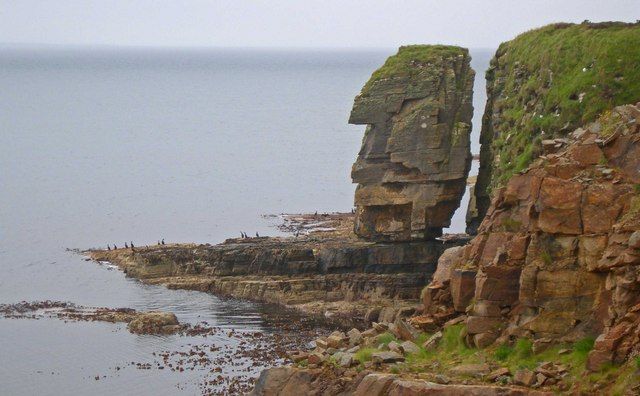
210,47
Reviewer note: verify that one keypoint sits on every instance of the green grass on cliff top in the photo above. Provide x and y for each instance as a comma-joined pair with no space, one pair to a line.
557,78
404,62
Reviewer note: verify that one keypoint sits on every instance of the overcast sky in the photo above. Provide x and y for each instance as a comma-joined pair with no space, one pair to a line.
292,23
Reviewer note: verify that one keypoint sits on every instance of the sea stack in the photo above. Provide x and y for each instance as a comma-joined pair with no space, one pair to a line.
415,156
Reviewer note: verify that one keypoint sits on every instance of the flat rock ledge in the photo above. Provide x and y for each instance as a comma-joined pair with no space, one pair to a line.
285,381
329,273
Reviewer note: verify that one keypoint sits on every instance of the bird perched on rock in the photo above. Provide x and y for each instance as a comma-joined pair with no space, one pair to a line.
131,245
163,241
257,235
115,247
108,247
126,246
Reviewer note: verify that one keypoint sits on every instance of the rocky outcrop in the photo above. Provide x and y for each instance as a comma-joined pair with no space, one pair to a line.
541,86
291,381
321,273
557,256
138,322
415,155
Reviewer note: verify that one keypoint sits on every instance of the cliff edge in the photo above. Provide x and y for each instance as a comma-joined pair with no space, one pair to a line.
542,85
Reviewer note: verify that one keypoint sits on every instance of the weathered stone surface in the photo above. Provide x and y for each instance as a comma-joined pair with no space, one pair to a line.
417,388
316,273
271,381
557,256
527,110
409,348
473,370
524,377
387,357
463,284
405,331
415,154
374,385
154,323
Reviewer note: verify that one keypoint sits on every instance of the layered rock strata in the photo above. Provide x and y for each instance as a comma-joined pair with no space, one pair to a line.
415,155
290,381
321,273
557,257
541,86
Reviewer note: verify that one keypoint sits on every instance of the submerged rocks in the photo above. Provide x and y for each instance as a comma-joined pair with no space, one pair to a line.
154,323
139,322
415,157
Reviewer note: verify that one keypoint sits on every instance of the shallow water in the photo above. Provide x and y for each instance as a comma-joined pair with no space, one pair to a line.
110,145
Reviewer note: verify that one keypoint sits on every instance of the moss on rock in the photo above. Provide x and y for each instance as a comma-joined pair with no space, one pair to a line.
412,60
544,84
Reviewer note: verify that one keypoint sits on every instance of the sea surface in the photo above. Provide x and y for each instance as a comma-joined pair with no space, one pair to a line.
106,145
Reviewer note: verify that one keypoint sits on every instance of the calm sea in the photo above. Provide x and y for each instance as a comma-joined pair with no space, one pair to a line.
105,146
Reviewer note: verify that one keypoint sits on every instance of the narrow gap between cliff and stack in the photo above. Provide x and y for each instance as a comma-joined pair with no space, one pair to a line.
480,58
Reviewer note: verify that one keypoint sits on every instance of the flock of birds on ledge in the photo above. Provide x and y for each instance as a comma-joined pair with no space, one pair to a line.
130,245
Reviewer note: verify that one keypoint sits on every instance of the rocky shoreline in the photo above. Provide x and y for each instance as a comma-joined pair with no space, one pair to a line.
326,272
543,296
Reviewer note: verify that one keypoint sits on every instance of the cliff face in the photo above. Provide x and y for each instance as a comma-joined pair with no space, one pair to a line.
544,84
557,257
415,156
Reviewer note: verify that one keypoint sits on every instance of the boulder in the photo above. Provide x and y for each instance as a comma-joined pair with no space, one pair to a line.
355,337
473,370
386,357
524,377
374,385
405,331
409,348
154,323
463,286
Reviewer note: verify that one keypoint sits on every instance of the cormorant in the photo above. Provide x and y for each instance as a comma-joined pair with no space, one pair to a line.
132,245
126,246
257,235
108,247
163,241
115,247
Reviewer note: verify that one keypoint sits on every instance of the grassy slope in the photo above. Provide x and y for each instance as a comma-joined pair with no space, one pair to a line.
556,78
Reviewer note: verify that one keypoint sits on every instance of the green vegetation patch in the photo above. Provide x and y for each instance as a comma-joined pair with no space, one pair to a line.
553,80
364,354
386,338
411,59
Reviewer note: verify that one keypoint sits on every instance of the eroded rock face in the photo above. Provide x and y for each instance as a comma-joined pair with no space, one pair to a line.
557,256
320,274
289,381
415,155
541,86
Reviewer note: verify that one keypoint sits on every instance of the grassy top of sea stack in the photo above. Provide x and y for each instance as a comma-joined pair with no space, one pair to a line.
555,78
412,59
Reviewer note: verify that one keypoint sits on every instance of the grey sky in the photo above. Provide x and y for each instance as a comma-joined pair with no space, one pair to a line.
292,23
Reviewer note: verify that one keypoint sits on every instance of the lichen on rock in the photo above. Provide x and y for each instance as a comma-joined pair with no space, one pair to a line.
415,155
